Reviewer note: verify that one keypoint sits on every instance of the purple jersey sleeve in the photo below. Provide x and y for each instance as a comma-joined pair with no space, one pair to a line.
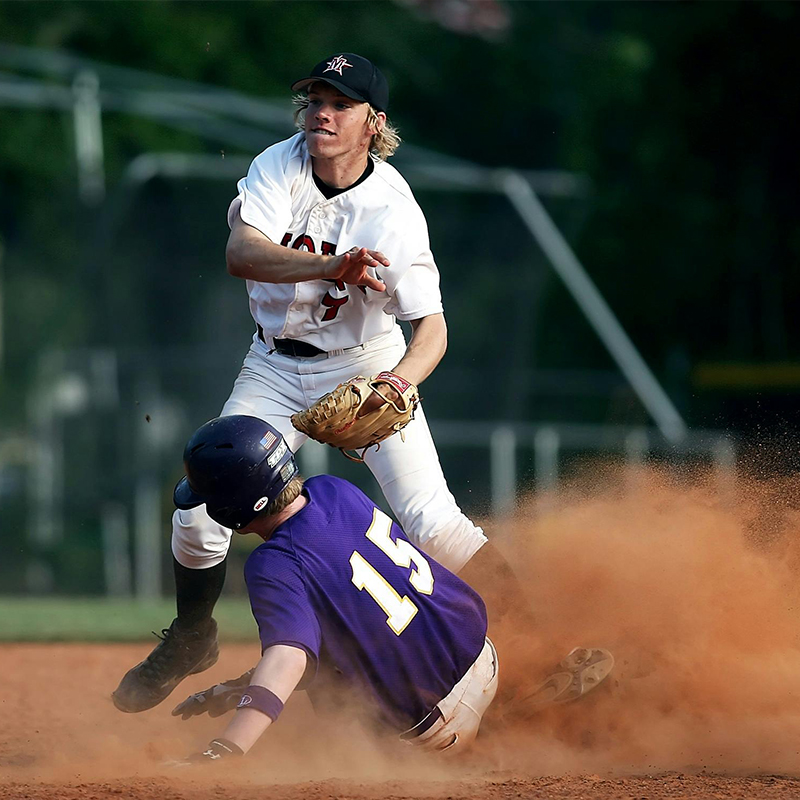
280,603
340,578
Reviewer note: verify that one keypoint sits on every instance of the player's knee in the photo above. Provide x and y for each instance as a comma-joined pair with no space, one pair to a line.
452,544
466,734
197,541
457,734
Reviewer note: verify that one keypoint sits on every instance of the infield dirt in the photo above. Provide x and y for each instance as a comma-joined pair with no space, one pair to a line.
693,584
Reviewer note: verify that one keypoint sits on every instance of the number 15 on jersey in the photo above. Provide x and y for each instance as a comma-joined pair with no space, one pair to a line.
399,610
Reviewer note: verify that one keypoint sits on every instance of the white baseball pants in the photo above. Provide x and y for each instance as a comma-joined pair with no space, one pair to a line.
460,713
272,387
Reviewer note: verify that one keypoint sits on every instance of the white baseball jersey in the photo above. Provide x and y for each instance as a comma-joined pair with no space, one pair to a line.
280,198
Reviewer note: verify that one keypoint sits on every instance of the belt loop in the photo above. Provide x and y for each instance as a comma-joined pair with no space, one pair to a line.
270,350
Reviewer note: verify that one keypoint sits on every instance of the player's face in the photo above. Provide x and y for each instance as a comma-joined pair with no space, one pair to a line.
335,124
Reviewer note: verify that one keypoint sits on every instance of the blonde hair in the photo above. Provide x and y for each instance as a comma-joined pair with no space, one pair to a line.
384,142
285,498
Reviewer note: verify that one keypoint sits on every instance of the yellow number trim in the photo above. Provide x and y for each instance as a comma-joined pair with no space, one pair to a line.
399,610
401,552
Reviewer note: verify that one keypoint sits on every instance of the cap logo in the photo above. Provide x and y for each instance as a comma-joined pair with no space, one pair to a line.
337,65
261,503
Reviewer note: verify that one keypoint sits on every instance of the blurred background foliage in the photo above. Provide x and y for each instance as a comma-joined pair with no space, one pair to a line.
682,115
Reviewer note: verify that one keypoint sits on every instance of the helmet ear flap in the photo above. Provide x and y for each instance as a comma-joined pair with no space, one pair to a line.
229,516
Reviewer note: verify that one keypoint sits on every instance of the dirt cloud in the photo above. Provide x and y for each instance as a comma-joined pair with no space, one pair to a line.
692,583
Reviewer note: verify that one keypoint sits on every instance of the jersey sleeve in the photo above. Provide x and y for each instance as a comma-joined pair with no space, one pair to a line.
412,281
280,602
264,200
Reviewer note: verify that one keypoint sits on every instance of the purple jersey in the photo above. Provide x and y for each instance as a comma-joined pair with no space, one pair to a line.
340,578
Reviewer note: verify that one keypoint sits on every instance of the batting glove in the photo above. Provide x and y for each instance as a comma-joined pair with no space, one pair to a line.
216,701
217,750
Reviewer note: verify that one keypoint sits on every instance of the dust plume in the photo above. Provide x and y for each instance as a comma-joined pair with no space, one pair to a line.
693,585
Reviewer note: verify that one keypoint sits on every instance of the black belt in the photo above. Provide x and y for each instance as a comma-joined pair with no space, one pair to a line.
292,347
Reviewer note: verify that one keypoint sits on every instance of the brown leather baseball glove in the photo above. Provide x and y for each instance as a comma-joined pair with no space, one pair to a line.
334,419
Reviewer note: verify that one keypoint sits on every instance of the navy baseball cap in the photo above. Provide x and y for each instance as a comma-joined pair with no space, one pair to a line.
354,76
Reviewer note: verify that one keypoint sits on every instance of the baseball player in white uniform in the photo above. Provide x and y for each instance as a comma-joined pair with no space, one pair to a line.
334,250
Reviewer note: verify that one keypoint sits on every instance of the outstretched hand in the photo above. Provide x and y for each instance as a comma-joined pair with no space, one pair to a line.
217,750
352,268
216,701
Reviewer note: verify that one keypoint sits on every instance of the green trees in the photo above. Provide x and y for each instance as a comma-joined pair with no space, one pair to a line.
683,116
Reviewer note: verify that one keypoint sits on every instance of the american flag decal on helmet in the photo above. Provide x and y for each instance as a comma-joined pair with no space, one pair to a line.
269,439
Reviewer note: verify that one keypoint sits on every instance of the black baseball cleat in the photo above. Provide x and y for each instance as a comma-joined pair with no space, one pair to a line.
181,652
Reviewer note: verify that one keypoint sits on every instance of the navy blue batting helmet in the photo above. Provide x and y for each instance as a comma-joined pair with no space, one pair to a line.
237,466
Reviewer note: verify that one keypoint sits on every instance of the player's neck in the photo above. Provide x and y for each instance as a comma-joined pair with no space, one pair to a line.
341,171
271,524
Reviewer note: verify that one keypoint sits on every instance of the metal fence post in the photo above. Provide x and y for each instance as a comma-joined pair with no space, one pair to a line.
88,121
546,446
723,453
147,510
593,305
637,444
502,447
116,560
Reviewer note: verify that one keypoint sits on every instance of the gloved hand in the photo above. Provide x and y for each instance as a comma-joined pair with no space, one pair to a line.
217,750
216,701
360,413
